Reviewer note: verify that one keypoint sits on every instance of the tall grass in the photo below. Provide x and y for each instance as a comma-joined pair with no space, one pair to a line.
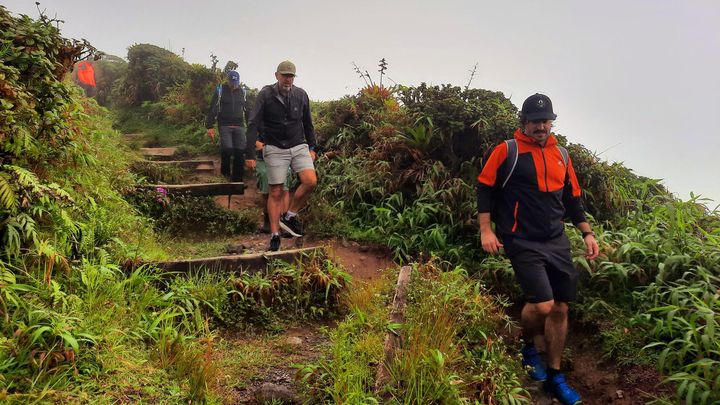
451,351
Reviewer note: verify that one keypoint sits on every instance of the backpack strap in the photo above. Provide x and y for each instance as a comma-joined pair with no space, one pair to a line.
564,153
511,160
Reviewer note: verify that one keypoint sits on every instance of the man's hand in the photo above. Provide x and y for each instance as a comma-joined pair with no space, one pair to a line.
211,133
259,145
490,242
313,155
250,164
592,250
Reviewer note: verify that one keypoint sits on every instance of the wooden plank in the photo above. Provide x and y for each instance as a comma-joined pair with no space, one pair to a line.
132,137
203,167
236,263
393,339
201,189
186,164
158,152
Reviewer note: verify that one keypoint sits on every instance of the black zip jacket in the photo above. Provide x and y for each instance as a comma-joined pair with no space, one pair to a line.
282,122
541,192
230,111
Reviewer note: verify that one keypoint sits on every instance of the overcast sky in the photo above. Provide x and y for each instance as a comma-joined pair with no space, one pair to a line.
637,81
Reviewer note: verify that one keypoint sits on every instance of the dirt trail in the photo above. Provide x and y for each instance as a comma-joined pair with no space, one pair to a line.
248,361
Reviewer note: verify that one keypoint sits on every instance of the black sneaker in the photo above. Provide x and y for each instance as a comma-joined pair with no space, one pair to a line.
291,226
274,243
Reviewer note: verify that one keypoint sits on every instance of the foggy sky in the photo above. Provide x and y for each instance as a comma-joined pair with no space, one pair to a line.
637,81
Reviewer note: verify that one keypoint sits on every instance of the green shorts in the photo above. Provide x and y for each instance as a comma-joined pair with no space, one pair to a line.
262,178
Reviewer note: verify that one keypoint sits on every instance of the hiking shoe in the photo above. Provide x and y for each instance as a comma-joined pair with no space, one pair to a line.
559,388
291,226
274,243
531,358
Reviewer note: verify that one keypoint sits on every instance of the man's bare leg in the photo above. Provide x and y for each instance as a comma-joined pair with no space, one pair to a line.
556,327
308,181
275,206
533,318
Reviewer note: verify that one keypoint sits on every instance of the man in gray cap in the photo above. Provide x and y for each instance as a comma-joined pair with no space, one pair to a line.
281,122
527,187
228,109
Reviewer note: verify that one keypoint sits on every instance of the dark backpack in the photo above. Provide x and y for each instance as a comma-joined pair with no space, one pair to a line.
219,93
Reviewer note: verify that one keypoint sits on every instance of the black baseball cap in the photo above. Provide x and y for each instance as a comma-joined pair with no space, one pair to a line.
538,107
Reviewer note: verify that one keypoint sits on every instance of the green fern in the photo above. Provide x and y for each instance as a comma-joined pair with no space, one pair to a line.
8,197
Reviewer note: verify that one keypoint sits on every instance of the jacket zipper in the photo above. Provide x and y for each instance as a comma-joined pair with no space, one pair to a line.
515,216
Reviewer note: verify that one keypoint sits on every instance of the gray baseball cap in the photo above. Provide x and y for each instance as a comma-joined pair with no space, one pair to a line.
286,68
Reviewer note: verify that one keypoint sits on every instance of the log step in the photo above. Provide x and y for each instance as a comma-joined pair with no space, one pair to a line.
204,167
199,164
158,153
202,189
183,163
251,262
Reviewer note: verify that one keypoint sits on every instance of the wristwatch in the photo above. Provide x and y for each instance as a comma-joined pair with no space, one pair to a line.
585,234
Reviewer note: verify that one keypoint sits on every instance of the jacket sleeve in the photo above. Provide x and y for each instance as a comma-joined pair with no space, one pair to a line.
488,178
255,124
308,126
572,196
213,111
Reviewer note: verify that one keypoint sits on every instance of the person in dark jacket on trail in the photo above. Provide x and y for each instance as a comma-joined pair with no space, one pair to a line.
527,187
227,108
282,123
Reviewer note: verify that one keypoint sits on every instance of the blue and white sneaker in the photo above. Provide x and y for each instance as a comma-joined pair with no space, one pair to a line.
531,358
559,388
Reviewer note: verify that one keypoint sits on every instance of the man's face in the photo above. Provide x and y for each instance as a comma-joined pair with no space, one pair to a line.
285,81
538,130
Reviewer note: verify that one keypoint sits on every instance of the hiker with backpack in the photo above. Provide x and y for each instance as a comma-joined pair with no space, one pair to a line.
228,109
527,187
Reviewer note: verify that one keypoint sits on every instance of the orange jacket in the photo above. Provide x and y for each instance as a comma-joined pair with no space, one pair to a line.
541,192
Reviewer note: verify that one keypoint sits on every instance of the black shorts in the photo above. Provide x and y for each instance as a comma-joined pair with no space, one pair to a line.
544,269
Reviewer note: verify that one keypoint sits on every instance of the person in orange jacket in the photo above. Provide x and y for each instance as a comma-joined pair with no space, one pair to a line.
527,187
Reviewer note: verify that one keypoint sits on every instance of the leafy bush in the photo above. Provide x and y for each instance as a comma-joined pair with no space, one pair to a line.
151,72
309,289
184,214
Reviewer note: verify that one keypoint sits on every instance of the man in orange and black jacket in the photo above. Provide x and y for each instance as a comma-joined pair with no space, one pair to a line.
528,201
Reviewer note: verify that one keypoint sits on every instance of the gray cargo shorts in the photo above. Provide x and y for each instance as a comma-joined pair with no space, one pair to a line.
278,160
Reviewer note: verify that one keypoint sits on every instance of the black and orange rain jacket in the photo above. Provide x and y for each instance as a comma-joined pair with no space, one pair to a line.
541,192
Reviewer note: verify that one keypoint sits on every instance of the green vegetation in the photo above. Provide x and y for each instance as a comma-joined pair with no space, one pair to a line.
653,294
452,352
399,168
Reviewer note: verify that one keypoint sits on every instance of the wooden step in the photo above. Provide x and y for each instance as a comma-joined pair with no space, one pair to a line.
204,167
202,189
133,137
236,263
158,153
201,165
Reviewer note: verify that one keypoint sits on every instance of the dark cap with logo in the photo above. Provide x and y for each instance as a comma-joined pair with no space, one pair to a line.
233,77
538,107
